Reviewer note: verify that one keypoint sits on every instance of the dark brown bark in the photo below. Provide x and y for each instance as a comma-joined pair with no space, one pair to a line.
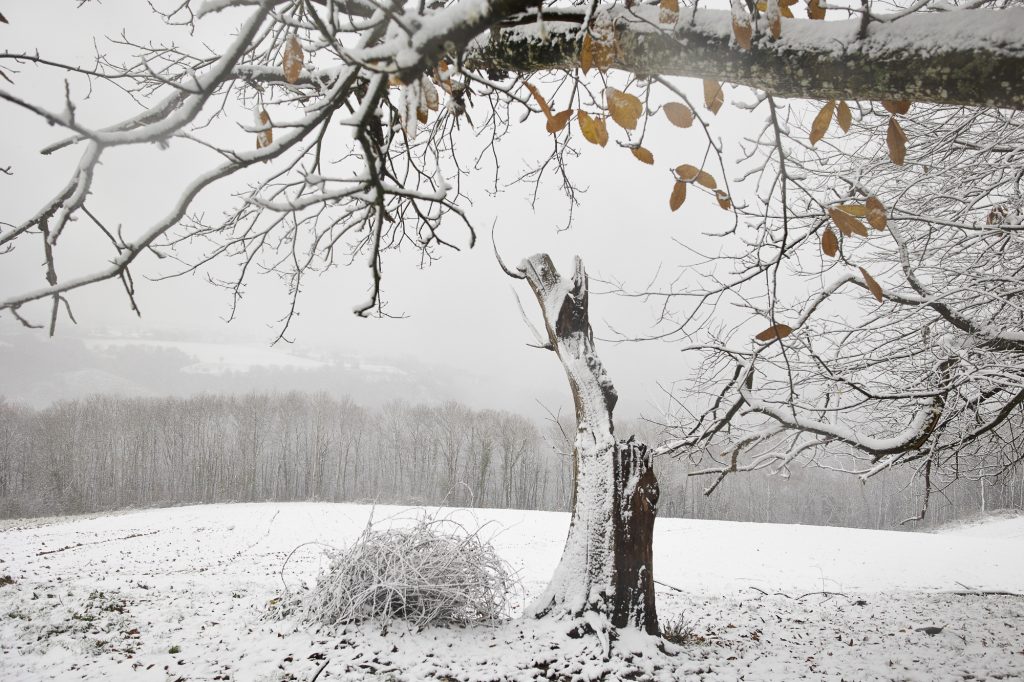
607,564
637,505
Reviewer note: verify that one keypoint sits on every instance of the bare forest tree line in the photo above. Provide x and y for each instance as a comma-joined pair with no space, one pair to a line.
105,453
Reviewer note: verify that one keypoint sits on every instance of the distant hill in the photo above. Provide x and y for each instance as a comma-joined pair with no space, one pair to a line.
38,371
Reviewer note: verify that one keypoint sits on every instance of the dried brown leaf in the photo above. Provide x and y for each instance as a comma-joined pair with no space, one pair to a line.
822,121
559,121
602,130
875,211
687,173
896,106
776,331
291,59
586,54
815,10
264,138
643,154
592,128
873,286
829,243
430,96
678,195
541,102
896,141
706,179
857,210
743,32
603,48
668,12
679,114
714,97
844,117
624,108
846,223
723,199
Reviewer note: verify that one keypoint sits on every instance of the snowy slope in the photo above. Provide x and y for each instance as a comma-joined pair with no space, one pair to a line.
96,596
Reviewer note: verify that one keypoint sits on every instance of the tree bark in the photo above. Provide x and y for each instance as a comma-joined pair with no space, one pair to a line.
605,574
958,57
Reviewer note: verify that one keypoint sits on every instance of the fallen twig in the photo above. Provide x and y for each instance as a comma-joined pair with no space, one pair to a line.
98,542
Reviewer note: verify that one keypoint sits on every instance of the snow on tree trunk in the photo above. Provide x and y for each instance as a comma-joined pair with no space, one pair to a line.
606,571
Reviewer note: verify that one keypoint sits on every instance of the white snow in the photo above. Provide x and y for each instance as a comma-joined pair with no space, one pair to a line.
108,596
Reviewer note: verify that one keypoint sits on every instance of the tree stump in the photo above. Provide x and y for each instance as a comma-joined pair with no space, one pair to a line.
606,567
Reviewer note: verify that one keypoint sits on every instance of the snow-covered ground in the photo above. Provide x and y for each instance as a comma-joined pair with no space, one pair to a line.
182,593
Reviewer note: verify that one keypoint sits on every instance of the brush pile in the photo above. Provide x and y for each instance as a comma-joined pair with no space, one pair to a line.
433,572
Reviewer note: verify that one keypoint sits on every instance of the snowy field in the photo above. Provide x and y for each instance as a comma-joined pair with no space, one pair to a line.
182,594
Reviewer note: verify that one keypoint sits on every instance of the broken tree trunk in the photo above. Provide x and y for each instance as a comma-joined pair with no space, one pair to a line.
606,569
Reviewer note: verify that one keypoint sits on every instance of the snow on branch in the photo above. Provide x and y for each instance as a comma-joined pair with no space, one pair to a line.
956,57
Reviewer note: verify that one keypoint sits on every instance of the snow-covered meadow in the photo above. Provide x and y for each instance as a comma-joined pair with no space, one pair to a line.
183,593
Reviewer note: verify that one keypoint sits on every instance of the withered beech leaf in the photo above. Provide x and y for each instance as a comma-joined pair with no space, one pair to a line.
593,129
723,199
776,331
714,98
815,10
541,102
846,223
679,114
876,213
291,59
829,243
421,114
706,179
822,121
586,54
559,121
858,210
602,130
873,286
668,12
843,116
678,195
896,141
264,138
743,32
604,49
896,106
643,154
624,108
687,173
430,94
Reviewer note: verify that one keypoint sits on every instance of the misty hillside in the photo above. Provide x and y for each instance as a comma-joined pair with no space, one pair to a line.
38,371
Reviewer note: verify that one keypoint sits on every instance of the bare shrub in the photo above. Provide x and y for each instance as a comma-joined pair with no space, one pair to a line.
681,630
432,572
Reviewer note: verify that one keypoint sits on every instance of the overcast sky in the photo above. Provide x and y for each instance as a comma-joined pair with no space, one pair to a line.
460,310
